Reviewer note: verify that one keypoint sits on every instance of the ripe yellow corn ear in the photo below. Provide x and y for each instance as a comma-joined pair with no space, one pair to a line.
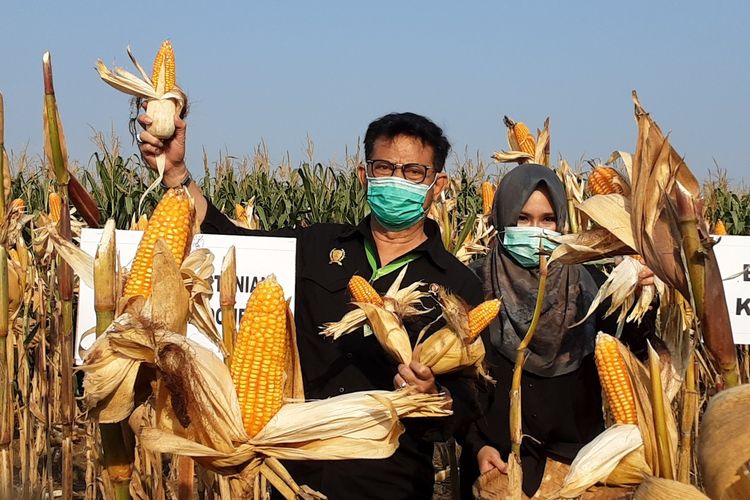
520,134
171,221
163,73
259,357
719,228
604,180
55,207
481,316
362,291
488,197
163,111
614,378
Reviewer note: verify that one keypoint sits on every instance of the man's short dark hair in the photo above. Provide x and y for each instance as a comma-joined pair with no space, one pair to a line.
412,125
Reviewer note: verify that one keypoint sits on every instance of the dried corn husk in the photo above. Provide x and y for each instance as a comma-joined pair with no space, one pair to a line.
444,351
598,459
621,287
399,303
724,439
654,488
593,244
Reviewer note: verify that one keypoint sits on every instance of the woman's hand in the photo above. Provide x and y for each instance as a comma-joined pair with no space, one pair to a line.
173,149
489,458
416,375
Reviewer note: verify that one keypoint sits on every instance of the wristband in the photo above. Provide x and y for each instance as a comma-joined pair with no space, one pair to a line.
185,182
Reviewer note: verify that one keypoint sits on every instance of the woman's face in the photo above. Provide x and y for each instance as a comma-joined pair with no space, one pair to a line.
538,211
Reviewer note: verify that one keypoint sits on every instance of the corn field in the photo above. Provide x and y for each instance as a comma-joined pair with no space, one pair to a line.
49,445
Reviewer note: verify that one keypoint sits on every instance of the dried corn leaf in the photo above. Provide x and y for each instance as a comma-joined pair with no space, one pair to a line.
666,489
598,459
511,157
541,153
612,212
627,160
588,245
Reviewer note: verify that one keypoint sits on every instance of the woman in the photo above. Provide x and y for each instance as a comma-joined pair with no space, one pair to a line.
561,395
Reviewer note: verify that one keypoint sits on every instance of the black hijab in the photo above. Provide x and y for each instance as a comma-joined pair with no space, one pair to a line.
557,348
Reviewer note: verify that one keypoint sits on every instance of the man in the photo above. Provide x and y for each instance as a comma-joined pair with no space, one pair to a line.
403,174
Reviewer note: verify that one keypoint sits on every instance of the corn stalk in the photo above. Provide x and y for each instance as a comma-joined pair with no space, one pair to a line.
516,422
660,417
6,386
687,423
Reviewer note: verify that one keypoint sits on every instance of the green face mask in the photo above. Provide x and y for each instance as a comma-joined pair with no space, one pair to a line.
522,243
395,202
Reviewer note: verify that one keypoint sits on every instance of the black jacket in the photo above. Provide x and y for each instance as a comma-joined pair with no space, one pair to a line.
357,363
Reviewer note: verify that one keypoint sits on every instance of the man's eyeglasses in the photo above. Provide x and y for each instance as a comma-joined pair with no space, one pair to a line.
415,172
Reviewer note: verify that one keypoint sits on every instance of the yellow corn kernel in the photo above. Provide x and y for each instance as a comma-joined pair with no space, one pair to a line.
171,221
488,197
362,291
604,180
615,380
481,316
163,74
259,356
55,207
719,228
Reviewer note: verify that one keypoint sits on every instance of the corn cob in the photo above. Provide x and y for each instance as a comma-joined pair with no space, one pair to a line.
719,228
603,180
172,221
239,213
488,197
522,136
362,291
260,354
17,205
55,207
481,316
163,74
615,380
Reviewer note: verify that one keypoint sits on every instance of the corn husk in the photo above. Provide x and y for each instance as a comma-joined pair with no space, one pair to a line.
445,352
654,488
598,459
621,287
398,303
724,439
593,244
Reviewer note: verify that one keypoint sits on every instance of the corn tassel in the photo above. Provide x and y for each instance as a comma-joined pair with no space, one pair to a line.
362,291
488,197
55,207
260,355
602,180
163,74
615,379
481,316
172,221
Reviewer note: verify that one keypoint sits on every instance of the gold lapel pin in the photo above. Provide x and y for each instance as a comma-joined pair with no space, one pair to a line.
337,255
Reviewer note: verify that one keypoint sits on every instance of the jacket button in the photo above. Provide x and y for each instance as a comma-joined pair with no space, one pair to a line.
341,390
349,355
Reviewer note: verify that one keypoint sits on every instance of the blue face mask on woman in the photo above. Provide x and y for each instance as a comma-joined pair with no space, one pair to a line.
395,202
522,243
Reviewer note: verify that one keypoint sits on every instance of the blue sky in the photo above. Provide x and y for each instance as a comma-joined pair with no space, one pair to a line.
280,71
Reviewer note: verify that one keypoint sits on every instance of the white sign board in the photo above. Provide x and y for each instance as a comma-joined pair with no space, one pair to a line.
733,255
256,257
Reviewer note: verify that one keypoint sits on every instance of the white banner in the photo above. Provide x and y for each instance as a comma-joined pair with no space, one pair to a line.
733,255
256,256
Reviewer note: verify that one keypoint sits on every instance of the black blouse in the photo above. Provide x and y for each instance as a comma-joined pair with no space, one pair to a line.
358,363
559,414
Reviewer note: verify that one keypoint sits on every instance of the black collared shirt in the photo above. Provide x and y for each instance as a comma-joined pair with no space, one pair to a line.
358,363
